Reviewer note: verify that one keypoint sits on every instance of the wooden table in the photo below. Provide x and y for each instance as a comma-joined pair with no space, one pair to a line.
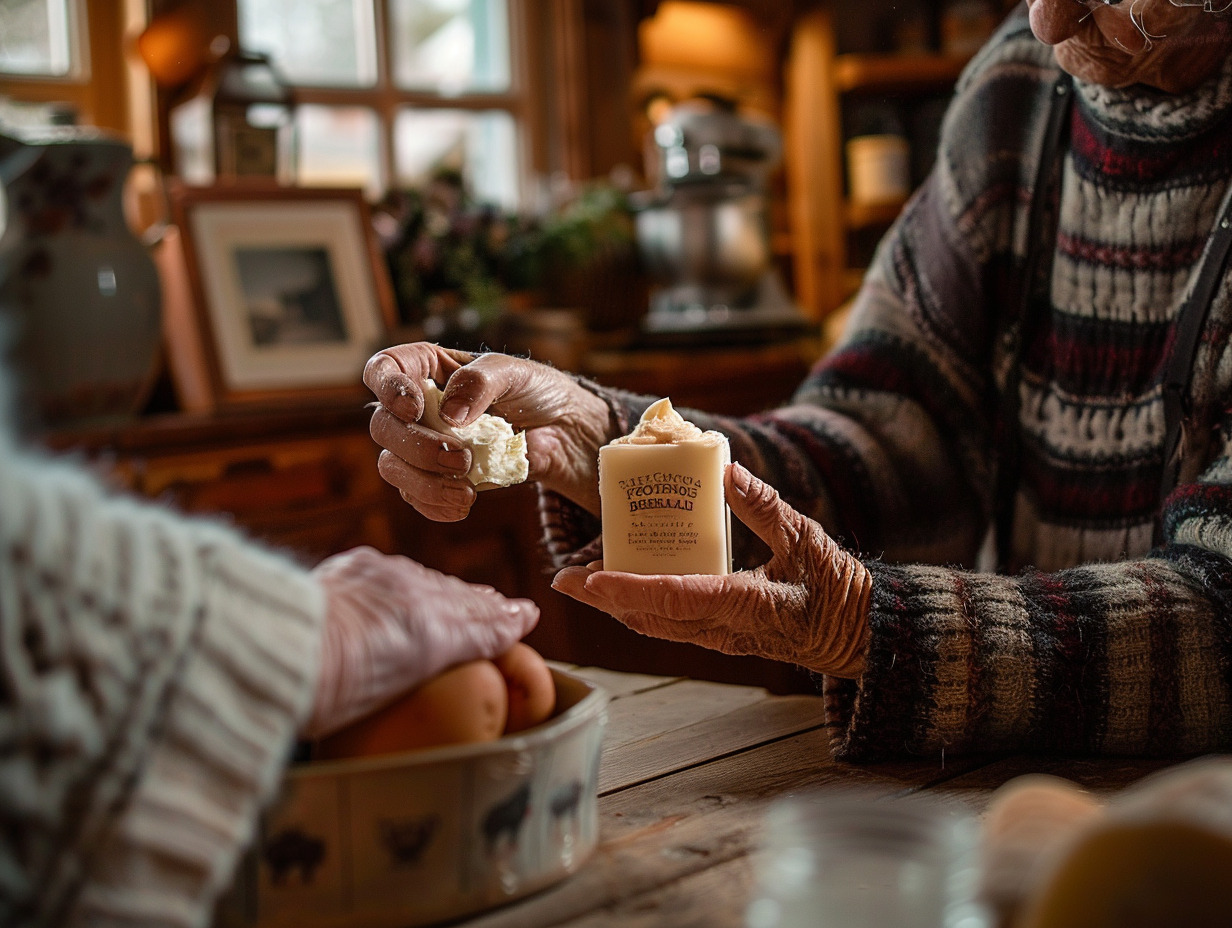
690,767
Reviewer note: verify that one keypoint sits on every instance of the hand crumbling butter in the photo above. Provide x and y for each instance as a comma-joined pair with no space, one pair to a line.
498,455
661,493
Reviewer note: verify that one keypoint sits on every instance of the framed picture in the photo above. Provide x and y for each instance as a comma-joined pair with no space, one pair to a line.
271,294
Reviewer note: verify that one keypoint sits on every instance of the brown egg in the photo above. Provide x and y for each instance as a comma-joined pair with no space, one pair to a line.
532,692
467,703
1037,806
1028,821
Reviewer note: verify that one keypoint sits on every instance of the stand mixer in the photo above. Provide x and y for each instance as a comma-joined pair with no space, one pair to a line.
703,233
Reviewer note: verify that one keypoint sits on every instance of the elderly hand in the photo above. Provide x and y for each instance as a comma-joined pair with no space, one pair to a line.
808,605
392,623
565,424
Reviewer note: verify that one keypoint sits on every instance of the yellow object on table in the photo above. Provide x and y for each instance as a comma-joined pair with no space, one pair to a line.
1158,855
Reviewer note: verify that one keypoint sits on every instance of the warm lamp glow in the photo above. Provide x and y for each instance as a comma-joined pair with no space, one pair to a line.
707,36
175,46
658,108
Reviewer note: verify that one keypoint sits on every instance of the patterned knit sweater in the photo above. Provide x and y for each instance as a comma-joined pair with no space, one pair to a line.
1093,642
153,674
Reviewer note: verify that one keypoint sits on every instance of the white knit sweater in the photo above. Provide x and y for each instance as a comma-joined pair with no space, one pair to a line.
154,670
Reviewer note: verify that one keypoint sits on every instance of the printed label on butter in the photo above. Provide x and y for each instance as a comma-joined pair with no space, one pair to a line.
661,491
663,506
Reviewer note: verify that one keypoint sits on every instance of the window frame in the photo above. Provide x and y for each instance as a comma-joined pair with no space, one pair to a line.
386,99
97,85
556,80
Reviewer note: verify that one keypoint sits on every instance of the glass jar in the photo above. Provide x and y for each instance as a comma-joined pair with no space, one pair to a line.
845,859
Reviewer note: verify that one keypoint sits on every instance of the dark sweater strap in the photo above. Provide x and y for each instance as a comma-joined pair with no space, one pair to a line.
1178,373
1034,283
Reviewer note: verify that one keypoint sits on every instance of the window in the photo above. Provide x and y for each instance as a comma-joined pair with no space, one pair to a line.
39,38
443,89
63,61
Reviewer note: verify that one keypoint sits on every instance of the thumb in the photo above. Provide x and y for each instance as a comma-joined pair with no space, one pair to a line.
505,621
759,506
521,616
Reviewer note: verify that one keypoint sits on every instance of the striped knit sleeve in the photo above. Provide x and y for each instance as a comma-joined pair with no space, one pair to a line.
154,672
1125,658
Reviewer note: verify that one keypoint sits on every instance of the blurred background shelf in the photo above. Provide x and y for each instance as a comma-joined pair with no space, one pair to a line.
905,73
834,93
867,215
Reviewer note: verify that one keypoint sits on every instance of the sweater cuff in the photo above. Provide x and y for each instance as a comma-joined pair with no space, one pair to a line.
244,684
571,535
887,713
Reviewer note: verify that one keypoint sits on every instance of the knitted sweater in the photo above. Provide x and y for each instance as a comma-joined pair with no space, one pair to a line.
153,672
1092,642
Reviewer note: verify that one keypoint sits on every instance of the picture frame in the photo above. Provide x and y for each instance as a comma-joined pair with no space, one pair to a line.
271,294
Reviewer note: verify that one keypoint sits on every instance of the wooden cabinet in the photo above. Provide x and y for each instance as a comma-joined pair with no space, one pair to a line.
301,479
833,236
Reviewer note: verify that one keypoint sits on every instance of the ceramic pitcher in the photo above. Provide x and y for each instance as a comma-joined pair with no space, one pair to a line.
79,294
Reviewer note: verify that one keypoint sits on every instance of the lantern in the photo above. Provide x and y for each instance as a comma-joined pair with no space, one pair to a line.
237,120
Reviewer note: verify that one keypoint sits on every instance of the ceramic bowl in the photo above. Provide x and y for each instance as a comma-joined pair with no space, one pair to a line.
431,835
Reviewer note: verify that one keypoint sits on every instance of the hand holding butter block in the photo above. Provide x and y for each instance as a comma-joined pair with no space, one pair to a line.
498,454
661,492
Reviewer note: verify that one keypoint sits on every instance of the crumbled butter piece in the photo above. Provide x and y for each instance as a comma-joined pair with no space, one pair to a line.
498,454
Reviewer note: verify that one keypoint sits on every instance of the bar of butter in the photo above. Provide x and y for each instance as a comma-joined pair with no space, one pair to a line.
498,454
661,497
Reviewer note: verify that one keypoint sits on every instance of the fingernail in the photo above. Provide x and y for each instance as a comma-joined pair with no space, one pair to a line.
458,493
397,383
455,459
457,414
402,399
741,479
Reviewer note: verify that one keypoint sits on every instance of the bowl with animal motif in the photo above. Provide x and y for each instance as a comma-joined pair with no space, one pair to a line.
429,835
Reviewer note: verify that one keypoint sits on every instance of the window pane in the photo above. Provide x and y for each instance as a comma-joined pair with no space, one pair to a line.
451,46
316,42
480,145
338,147
35,37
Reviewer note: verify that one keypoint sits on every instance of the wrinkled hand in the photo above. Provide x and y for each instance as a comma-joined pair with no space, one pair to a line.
808,605
392,623
565,424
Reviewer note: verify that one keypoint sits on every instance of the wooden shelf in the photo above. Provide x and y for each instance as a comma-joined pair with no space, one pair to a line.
853,277
888,73
827,94
871,215
781,245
